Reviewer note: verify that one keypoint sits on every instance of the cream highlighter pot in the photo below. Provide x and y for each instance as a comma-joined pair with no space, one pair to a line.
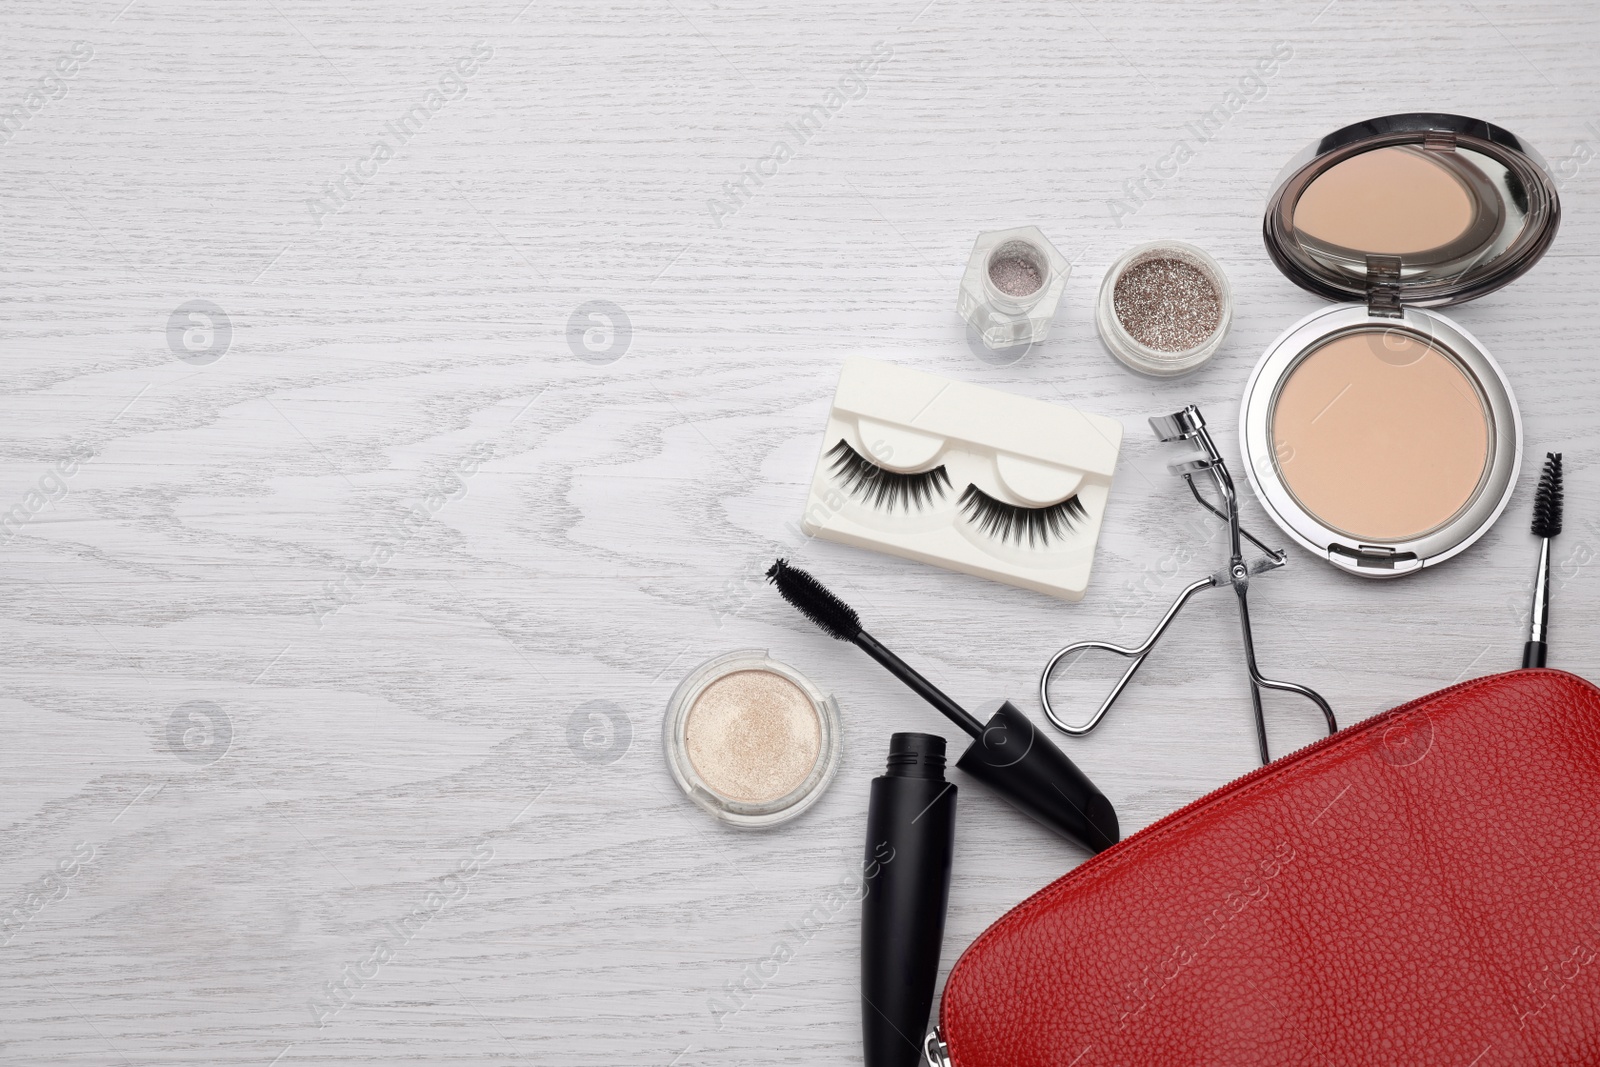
1379,434
751,740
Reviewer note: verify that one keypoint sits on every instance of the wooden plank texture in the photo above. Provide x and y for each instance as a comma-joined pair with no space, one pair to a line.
336,642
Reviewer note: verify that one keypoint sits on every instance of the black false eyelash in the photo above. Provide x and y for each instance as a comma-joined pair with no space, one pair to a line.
885,488
1011,522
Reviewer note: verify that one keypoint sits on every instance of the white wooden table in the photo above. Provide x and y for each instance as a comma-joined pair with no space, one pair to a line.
339,618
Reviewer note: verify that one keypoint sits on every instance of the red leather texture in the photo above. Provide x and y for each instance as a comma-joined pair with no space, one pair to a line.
1421,888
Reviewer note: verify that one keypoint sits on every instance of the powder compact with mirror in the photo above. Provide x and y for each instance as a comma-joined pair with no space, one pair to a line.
1380,434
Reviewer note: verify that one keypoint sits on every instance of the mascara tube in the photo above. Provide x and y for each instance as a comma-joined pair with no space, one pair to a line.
911,832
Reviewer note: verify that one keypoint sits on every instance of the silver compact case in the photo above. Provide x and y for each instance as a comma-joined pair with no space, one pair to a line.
1378,434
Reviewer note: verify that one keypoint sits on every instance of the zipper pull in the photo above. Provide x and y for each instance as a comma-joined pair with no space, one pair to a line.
935,1051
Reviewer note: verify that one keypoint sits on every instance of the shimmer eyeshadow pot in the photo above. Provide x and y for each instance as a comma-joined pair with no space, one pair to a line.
751,740
1164,308
1379,434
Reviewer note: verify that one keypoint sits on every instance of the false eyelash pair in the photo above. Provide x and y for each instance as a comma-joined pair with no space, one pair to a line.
888,490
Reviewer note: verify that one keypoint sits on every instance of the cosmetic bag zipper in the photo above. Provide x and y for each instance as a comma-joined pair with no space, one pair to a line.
935,1051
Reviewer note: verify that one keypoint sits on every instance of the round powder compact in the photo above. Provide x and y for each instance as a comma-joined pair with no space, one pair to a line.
1164,308
1378,433
751,740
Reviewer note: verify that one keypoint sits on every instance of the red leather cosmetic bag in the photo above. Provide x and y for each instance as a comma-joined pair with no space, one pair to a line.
1421,888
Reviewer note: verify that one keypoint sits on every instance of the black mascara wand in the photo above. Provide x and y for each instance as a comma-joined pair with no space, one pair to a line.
1007,754
838,619
1546,525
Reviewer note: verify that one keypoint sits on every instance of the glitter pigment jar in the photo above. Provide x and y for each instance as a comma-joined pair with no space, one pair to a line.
751,740
1012,286
1164,308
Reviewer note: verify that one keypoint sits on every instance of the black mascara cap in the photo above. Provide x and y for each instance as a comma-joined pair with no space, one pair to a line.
1029,771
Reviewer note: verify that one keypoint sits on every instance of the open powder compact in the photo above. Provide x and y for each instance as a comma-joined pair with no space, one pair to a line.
1379,434
751,740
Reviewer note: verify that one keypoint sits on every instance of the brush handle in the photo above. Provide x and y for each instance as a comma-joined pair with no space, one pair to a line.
918,684
1533,653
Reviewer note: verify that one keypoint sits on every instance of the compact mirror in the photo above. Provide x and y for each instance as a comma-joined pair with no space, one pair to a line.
1435,208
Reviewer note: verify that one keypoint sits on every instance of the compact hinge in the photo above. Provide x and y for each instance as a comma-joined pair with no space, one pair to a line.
1439,141
1383,287
1378,557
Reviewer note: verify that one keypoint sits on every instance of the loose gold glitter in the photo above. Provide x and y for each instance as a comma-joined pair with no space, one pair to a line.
1167,304
753,736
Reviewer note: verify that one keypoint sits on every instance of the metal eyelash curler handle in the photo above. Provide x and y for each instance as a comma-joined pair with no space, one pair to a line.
1189,424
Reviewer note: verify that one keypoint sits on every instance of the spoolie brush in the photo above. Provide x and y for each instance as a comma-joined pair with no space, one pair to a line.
1546,525
1007,753
838,619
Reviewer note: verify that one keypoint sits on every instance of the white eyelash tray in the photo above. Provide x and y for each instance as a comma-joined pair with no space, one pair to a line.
1004,507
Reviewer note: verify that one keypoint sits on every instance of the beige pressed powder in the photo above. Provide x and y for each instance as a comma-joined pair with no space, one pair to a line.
753,736
751,740
1389,201
1380,435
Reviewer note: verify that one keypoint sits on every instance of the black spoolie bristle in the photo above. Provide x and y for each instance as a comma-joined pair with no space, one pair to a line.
1547,498
813,600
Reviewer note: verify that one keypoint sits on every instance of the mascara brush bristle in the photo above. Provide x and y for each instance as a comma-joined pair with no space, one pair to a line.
812,599
1547,498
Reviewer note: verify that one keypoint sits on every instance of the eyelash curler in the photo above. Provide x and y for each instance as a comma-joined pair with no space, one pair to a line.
1190,425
